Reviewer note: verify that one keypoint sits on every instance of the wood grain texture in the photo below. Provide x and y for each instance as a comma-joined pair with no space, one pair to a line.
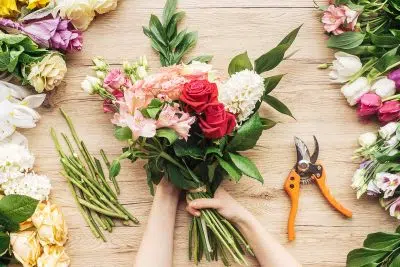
225,28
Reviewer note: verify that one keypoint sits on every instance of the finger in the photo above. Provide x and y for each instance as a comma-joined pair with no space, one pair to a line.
205,203
193,211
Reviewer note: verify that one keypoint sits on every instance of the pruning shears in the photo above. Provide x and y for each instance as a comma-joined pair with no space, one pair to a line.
307,170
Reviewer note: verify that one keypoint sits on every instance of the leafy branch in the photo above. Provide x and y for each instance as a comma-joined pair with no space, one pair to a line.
170,43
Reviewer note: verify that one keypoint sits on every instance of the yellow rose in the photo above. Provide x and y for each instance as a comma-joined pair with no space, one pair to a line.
50,225
104,6
80,12
48,73
26,247
8,8
32,4
53,256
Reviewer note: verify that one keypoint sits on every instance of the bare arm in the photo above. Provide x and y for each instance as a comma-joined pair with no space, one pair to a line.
267,250
156,249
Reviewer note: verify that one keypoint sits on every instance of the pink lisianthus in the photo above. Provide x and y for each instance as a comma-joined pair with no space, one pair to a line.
172,117
390,111
369,105
339,19
114,80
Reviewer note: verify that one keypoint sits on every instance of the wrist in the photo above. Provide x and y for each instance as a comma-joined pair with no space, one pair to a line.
167,190
245,219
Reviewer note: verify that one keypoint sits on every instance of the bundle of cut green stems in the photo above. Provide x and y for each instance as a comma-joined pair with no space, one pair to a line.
96,199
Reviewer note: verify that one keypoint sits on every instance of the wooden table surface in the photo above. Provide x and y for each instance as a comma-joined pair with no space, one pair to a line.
226,28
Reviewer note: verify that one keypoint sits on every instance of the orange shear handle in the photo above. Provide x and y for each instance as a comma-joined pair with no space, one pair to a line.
321,181
292,188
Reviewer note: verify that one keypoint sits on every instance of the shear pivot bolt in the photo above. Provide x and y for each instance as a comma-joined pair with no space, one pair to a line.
318,175
319,168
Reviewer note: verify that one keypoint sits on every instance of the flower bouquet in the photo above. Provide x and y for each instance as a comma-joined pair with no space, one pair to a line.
366,34
189,124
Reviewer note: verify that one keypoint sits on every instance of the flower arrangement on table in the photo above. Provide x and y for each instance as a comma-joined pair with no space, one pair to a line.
190,124
367,37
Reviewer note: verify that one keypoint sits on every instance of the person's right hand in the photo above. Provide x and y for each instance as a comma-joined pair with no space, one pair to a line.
224,203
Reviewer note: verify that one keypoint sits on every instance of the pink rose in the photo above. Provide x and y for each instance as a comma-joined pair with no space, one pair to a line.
369,104
390,111
114,80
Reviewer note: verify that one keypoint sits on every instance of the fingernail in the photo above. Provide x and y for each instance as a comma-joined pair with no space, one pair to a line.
197,213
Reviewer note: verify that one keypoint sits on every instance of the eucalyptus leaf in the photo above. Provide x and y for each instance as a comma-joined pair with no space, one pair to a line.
239,63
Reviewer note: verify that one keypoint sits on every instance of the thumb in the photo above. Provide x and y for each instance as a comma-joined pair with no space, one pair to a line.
205,203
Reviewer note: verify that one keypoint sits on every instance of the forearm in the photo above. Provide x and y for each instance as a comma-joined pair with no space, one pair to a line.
156,248
266,249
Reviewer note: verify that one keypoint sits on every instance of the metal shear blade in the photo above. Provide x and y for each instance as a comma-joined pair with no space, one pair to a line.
303,153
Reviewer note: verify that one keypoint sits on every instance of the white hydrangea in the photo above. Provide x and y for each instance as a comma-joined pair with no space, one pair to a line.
31,184
14,158
241,93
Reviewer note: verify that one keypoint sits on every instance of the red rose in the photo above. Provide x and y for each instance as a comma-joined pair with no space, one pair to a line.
198,94
217,122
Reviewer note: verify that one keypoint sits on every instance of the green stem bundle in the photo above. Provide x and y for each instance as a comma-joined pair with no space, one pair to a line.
96,200
212,235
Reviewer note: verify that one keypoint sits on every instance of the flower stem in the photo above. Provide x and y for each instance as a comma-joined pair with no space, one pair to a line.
100,210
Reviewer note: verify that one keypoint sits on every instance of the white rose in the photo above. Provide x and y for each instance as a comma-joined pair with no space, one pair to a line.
344,67
25,247
80,12
90,84
367,139
355,90
384,87
388,130
105,6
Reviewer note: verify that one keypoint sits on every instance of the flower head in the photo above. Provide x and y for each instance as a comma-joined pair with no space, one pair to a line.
369,105
198,94
384,87
345,66
48,73
50,224
8,8
387,131
14,158
338,19
114,80
241,93
91,85
387,183
367,139
355,90
80,12
33,4
105,6
217,122
31,184
25,247
53,256
390,111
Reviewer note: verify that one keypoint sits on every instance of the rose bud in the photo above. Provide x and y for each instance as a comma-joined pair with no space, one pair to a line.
395,76
355,90
53,256
50,225
26,247
367,139
369,105
384,87
217,122
198,94
390,111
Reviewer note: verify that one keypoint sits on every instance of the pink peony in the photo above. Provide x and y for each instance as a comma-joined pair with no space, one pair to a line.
369,105
339,19
114,80
390,111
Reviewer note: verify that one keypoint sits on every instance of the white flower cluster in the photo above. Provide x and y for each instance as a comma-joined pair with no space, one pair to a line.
29,184
241,93
15,163
82,12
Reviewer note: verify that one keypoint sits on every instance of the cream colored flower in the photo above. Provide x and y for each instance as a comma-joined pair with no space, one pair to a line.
105,6
50,225
26,247
80,12
48,73
53,256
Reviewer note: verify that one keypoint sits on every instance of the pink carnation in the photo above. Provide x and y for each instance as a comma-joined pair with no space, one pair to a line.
114,80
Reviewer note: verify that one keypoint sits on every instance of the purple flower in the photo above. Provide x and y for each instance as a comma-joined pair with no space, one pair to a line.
53,33
395,76
393,204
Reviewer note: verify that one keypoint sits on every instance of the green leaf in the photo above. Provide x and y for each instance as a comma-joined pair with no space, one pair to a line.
15,209
241,141
4,60
398,229
172,27
271,82
4,243
214,150
157,30
278,105
388,61
239,63
395,261
382,241
271,59
175,175
230,168
123,133
204,59
183,149
115,168
363,256
246,166
12,39
346,40
167,133
14,55
267,123
154,174
384,40
188,41
169,10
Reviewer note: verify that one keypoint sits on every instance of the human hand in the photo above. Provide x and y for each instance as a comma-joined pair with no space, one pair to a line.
165,187
224,203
